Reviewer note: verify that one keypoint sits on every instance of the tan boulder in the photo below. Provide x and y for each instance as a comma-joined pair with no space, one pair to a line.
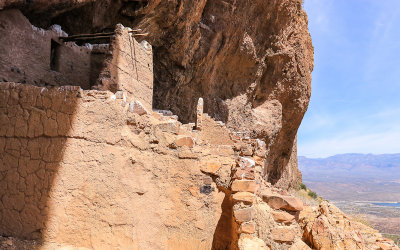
285,202
282,216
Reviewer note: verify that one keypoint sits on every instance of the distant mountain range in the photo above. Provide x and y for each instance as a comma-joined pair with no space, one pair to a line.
359,166
353,176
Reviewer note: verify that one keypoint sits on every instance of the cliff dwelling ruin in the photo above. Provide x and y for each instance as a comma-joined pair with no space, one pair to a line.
92,155
50,58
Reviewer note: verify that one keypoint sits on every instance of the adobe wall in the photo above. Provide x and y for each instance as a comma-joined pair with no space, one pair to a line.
79,168
34,126
26,55
130,68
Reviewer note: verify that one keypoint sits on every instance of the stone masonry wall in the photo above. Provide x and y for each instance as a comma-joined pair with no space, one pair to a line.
129,68
26,52
79,168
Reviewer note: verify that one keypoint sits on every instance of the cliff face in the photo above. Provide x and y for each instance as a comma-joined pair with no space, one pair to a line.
251,62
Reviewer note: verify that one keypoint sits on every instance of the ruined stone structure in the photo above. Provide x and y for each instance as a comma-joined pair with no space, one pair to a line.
35,56
85,160
129,68
39,57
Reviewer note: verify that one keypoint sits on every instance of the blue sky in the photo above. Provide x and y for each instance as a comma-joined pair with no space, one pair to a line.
355,102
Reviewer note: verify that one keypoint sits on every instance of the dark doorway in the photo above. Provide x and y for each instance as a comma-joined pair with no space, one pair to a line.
55,56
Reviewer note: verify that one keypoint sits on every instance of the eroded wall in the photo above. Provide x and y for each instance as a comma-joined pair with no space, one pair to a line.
129,68
36,56
78,168
34,128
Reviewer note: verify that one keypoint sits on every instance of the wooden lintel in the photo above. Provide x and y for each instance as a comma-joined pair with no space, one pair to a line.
67,39
144,34
86,35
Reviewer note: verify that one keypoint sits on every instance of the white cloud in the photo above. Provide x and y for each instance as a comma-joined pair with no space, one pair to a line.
376,133
384,142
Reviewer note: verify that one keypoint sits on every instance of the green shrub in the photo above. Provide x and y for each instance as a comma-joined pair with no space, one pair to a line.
312,194
302,186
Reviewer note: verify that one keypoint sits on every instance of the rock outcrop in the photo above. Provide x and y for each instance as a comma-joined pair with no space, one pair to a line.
250,61
326,227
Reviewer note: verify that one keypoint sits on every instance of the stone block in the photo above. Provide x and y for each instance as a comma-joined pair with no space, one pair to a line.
183,140
243,215
248,242
210,167
244,186
245,173
169,126
207,180
244,197
284,202
248,227
299,245
282,216
138,108
245,162
246,150
259,160
165,112
187,154
283,234
119,94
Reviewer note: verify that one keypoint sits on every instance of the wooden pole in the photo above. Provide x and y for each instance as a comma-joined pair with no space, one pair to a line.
87,35
67,39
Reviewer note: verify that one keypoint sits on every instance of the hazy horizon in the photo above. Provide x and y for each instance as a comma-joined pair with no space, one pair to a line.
324,157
